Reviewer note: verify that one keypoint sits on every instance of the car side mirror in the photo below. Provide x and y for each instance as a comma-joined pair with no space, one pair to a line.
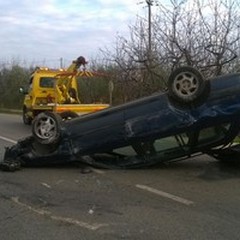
23,90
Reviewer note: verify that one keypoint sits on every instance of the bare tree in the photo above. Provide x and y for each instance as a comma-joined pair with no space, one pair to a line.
200,33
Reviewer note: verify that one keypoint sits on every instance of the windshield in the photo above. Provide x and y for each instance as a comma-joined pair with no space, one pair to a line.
47,82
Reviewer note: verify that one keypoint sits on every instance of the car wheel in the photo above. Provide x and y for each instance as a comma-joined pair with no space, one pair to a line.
187,86
68,115
26,119
46,128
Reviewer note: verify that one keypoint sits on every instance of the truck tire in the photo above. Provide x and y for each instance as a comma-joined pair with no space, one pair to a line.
26,119
187,87
46,128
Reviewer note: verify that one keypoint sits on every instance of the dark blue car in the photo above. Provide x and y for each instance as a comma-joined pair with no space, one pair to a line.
193,116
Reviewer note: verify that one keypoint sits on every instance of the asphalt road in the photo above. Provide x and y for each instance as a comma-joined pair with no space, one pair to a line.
194,199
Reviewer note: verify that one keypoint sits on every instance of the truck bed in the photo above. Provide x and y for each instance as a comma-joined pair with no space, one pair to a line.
80,109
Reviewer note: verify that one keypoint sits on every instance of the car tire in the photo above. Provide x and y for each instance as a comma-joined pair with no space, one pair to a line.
46,128
68,115
187,87
26,119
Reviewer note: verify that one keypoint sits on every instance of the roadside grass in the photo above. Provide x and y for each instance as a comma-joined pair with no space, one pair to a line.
13,111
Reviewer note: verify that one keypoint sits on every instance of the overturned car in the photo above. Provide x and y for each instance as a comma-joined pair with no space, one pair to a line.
194,116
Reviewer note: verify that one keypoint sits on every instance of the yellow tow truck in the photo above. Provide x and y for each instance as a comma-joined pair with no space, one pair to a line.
56,90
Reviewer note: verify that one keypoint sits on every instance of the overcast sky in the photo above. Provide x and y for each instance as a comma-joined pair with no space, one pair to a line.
34,30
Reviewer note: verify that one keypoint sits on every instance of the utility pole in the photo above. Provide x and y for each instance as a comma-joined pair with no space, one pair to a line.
149,3
61,62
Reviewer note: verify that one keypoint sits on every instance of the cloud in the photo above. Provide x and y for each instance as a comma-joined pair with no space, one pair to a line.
51,29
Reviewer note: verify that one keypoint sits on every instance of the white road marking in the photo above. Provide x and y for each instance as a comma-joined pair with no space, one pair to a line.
97,171
59,182
46,185
165,194
76,222
38,211
8,140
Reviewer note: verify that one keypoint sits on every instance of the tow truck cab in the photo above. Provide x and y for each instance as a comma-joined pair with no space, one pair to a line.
55,90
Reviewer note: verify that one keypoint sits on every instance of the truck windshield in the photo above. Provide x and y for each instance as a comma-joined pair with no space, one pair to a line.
47,82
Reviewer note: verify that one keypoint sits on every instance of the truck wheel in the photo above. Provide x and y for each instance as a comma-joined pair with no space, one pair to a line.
26,119
46,128
68,115
187,86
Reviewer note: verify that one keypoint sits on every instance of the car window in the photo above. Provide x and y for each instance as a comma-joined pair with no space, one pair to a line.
170,142
46,82
176,142
213,133
126,151
165,143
